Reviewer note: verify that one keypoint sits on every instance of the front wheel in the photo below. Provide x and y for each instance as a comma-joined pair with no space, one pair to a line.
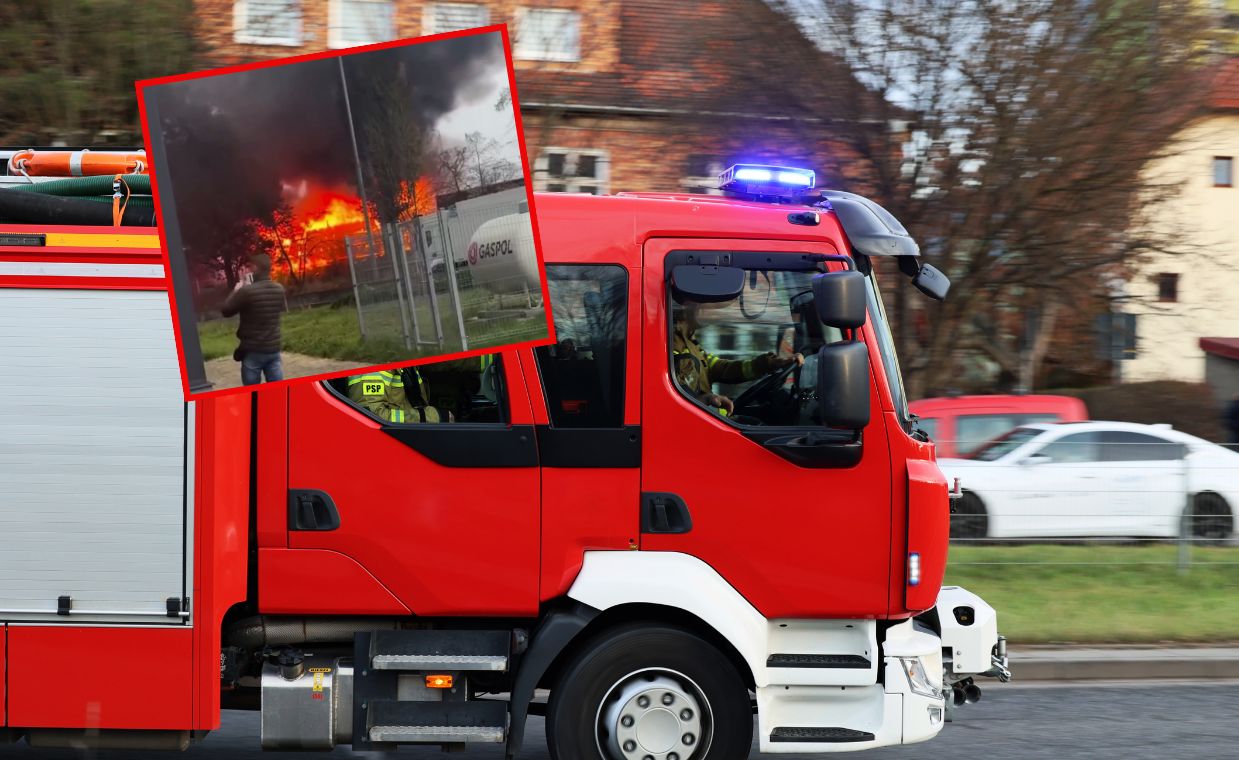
1211,518
969,518
649,693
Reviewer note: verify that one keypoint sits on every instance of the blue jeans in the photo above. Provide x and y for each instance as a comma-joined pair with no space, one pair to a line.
255,365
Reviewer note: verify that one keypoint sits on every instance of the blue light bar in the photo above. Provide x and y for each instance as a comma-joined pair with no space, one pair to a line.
766,181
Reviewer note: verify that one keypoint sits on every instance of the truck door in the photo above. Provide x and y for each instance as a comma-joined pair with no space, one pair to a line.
444,515
589,434
796,535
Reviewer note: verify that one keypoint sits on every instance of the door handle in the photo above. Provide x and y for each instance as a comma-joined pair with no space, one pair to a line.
664,513
310,509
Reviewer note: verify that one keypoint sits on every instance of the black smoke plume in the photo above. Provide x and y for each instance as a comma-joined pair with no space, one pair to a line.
235,141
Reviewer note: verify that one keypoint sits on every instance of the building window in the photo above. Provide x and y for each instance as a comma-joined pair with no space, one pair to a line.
564,170
452,17
1222,171
1168,287
360,22
701,174
267,22
548,34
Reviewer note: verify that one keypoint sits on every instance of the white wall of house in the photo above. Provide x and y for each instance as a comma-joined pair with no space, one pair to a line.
1206,219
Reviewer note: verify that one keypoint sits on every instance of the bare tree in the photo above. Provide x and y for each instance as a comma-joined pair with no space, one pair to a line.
393,143
1013,140
486,164
453,167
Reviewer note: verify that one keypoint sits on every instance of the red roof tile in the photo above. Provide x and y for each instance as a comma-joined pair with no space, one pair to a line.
1224,93
1224,347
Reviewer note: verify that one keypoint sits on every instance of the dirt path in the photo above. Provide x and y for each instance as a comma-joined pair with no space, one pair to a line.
226,373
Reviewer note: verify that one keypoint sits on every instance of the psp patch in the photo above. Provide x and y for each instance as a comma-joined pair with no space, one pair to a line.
372,389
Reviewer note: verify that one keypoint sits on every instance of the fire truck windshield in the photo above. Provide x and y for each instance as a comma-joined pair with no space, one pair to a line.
886,346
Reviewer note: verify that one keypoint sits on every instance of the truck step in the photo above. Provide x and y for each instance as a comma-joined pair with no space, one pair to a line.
823,734
436,722
440,650
817,661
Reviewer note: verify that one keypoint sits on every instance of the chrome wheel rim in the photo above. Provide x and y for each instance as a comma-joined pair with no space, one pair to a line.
654,714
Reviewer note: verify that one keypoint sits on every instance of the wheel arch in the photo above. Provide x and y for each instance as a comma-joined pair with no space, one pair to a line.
646,614
1222,498
617,589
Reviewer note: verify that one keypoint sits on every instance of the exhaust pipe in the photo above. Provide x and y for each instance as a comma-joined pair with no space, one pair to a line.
259,631
972,693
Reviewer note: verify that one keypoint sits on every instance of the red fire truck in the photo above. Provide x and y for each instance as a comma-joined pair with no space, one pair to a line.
666,565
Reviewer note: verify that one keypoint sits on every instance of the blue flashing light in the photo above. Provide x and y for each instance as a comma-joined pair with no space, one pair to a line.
753,175
766,181
795,178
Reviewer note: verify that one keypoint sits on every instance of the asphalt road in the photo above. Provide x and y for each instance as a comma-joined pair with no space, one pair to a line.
1127,721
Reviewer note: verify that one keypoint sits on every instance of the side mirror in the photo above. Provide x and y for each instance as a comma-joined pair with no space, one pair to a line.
840,299
843,385
932,282
1036,459
706,284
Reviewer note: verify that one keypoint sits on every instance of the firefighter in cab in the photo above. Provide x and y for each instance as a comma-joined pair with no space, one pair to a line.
382,393
697,370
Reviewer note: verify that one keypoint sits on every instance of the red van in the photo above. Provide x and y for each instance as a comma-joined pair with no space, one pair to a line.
958,424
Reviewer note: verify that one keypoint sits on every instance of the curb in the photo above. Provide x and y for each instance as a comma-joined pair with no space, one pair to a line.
1118,664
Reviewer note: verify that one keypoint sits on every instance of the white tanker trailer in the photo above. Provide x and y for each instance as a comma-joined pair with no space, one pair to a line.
501,256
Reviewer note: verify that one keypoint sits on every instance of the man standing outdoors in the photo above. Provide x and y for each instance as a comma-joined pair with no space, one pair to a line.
260,304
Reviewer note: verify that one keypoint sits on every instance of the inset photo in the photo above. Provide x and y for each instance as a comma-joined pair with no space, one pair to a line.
343,210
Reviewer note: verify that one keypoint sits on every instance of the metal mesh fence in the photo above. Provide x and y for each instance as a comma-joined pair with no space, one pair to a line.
457,279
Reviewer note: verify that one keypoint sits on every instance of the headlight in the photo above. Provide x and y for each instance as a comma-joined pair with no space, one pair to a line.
918,679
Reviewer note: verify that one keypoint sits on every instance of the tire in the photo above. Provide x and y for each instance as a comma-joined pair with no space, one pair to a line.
969,519
597,712
1211,518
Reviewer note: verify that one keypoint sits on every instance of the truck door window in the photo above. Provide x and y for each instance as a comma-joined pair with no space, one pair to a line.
456,390
752,359
583,372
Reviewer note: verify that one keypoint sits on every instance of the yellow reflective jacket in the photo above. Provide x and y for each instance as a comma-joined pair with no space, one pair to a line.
382,394
698,370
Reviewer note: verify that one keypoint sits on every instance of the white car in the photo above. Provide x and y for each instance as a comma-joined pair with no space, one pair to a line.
1095,479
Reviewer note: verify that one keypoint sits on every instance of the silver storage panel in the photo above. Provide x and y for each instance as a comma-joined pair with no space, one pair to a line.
93,447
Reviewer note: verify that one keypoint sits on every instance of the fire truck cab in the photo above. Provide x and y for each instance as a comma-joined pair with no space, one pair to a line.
705,500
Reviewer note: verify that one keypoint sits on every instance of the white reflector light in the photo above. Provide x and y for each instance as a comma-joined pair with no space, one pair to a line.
914,569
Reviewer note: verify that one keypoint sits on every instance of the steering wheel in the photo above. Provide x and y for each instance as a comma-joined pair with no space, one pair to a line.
764,387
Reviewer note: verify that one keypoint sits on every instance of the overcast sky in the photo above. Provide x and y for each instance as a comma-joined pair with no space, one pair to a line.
479,115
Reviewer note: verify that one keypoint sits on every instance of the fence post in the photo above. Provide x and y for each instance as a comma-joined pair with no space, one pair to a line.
352,272
427,275
398,245
400,288
449,256
1185,522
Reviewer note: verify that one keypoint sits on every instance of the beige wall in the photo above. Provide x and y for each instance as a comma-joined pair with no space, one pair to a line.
1207,218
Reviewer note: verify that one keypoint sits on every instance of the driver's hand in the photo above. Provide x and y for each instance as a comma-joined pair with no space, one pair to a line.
779,361
719,401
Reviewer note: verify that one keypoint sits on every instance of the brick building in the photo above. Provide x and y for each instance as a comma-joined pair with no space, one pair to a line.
620,95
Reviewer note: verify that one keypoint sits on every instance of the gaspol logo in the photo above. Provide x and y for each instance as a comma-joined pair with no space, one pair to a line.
489,250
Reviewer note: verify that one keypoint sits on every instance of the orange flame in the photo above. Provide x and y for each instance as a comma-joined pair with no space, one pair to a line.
336,211
420,199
